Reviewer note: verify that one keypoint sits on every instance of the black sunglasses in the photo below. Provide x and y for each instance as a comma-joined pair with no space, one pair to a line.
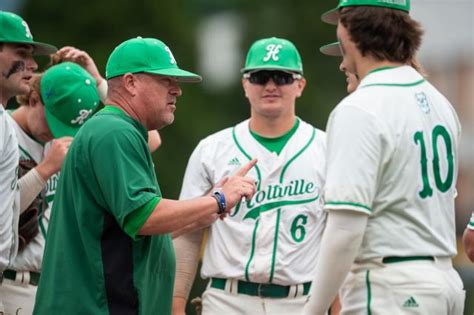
278,77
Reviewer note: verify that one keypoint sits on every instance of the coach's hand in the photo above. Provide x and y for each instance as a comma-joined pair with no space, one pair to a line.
54,158
239,186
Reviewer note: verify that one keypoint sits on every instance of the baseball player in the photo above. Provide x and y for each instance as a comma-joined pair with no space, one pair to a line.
109,244
391,175
16,68
70,96
260,259
468,239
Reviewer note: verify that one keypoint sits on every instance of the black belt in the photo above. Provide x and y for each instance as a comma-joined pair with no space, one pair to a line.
396,259
11,275
259,289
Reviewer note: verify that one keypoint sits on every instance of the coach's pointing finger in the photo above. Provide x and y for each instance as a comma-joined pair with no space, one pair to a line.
247,167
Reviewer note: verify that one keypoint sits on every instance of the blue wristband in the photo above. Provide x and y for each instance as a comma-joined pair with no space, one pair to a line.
220,198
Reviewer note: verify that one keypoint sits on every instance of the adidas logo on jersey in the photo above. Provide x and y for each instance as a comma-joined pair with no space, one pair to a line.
234,161
411,302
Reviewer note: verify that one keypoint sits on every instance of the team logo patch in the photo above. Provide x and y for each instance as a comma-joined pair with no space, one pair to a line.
27,30
48,94
422,101
83,114
172,59
273,51
410,302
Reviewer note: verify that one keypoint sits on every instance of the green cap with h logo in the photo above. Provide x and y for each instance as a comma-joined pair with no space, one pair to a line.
70,96
13,29
273,54
332,16
148,55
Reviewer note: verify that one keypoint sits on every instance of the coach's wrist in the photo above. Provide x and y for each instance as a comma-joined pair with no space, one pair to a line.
219,196
179,305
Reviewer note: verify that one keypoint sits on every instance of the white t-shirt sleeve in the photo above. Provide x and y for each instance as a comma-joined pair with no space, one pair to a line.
353,159
197,180
9,193
471,222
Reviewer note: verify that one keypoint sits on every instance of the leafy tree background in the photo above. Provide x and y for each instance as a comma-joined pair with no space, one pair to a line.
98,26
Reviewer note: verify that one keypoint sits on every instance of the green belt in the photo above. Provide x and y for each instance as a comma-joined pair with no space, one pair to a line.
11,275
259,289
395,259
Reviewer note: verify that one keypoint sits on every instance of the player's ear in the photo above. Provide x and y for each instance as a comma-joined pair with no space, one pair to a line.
130,83
35,99
301,83
245,83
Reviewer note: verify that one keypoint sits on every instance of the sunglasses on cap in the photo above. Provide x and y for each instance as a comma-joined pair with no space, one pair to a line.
278,77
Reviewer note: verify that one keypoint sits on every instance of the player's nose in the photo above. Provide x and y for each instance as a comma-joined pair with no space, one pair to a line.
342,67
270,85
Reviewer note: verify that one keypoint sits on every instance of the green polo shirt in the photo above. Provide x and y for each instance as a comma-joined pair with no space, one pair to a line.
94,261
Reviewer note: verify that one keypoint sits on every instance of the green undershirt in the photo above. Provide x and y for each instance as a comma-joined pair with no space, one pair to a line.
276,144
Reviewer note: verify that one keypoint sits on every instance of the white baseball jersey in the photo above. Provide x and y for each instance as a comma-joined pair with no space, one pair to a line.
393,154
275,236
471,222
31,257
9,193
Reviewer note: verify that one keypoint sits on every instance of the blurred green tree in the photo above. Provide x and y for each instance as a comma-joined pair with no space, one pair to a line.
99,26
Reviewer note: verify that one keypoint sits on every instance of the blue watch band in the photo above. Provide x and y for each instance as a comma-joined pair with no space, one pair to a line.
220,198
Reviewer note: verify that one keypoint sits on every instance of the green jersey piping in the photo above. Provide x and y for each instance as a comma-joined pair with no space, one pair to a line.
353,204
26,153
255,212
382,69
259,175
395,84
275,242
369,292
297,154
252,251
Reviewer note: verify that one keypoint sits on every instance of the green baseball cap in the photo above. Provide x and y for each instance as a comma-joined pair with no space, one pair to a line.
332,49
13,29
148,55
70,96
332,16
273,54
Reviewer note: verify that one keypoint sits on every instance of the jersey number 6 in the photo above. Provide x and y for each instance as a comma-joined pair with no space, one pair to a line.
298,231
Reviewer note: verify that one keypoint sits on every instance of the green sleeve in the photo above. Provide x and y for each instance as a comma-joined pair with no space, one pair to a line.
135,220
124,171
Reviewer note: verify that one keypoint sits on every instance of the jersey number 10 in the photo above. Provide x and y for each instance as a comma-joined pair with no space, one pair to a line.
443,186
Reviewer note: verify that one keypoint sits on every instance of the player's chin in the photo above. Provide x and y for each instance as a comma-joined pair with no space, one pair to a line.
351,88
163,121
169,119
22,88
